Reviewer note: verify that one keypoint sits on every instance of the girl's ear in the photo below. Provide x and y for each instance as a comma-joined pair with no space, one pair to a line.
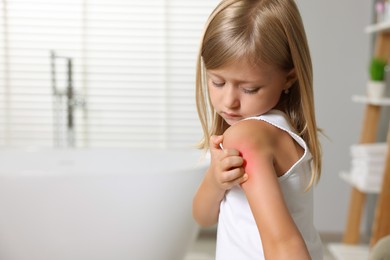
291,77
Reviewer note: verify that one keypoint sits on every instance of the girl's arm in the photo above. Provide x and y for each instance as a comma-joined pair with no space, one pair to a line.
280,237
224,172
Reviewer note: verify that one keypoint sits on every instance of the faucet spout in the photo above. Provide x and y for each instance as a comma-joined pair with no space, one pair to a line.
71,101
70,104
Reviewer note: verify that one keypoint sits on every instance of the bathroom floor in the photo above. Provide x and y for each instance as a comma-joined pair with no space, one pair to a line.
204,247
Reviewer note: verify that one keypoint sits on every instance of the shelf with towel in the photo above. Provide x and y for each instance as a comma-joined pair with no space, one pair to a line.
364,185
371,118
367,167
377,28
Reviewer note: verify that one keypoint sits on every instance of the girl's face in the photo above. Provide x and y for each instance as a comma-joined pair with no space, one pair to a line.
240,90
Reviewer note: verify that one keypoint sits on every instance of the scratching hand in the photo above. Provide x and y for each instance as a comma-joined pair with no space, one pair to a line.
226,168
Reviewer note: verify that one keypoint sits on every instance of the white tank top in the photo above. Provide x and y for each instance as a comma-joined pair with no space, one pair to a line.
238,237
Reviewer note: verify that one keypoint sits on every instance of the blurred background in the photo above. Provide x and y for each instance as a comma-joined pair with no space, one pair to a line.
116,73
132,72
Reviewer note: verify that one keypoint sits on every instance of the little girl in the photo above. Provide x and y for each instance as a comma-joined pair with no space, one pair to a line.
255,102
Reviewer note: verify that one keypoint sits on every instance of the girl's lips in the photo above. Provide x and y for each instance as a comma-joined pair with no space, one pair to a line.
231,116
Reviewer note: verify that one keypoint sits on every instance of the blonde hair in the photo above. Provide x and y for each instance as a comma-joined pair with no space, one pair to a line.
263,31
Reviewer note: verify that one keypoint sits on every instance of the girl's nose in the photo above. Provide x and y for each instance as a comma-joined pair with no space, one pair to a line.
231,97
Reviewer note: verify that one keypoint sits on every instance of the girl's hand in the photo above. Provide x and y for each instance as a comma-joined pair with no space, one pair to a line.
226,167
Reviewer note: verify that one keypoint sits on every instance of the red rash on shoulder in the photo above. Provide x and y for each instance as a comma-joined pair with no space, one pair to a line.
253,165
247,137
247,155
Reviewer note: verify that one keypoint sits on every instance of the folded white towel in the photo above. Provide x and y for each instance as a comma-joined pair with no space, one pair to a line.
368,150
368,165
370,160
375,176
368,185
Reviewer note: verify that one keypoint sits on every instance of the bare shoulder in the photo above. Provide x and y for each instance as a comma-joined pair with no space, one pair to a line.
249,134
256,138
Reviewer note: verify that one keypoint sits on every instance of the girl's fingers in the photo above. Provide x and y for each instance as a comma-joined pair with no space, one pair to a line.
229,184
232,162
215,140
231,152
227,164
232,175
243,179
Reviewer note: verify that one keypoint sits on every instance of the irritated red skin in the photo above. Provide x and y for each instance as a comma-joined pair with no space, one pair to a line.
252,148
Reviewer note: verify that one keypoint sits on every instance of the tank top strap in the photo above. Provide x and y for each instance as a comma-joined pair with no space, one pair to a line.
279,119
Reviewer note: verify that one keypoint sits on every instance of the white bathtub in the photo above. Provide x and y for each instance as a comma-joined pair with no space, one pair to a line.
96,204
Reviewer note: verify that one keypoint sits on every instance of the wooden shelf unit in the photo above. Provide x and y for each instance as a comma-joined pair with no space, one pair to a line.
381,225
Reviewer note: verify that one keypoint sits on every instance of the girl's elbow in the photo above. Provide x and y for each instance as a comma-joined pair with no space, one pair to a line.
202,219
293,247
204,223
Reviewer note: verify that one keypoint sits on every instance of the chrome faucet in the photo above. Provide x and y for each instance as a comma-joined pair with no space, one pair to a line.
71,102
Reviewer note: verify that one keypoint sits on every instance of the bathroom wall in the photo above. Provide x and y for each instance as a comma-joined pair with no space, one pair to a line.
340,52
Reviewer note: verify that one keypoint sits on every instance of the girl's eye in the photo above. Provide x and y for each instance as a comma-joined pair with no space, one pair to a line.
250,90
218,84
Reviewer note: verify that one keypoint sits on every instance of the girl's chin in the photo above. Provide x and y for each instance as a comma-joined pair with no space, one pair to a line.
231,121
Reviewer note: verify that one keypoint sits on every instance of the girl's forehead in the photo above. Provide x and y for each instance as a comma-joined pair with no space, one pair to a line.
243,70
